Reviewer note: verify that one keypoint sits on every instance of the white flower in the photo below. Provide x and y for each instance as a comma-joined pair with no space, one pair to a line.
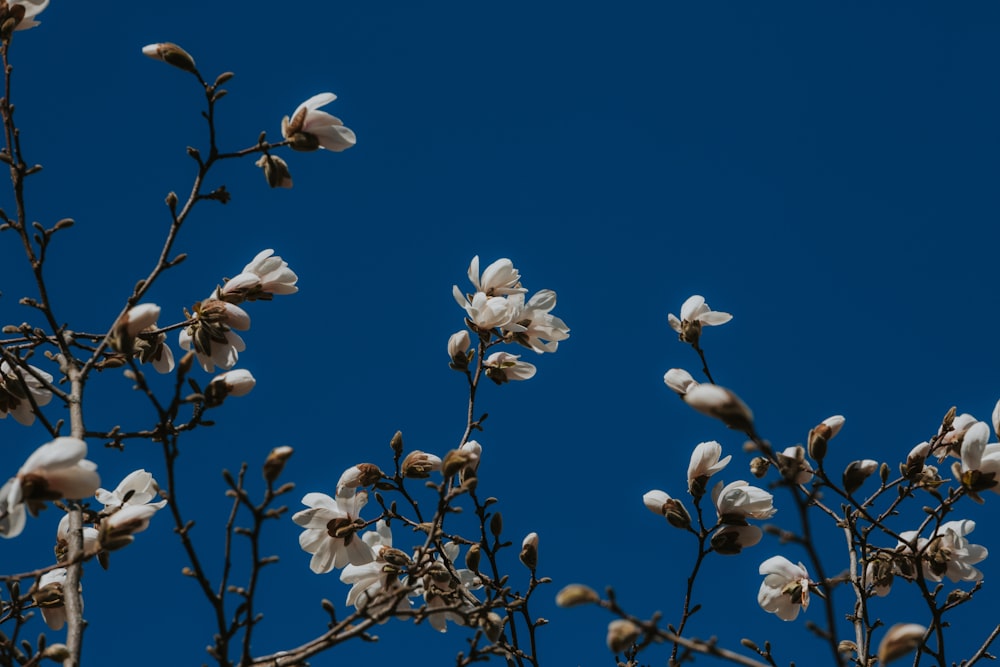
974,445
660,502
721,403
55,470
91,540
500,278
149,349
705,462
379,577
441,588
531,323
117,530
237,382
732,539
138,488
363,474
211,335
738,500
694,314
785,588
485,312
15,388
679,381
502,367
330,533
947,553
309,128
262,278
49,597
32,8
458,345
794,465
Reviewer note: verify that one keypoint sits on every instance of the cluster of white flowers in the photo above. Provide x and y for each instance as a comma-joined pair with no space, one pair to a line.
497,312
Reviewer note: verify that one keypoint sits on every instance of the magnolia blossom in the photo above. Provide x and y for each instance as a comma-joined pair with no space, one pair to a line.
532,323
731,539
679,381
794,465
17,386
237,382
445,586
363,474
695,313
458,346
660,502
485,312
91,539
739,500
210,334
785,588
705,462
379,577
947,553
138,488
330,533
309,128
149,349
48,595
822,434
32,8
502,367
722,404
262,278
499,279
55,470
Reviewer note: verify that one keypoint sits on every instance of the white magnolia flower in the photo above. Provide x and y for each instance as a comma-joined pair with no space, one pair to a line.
32,8
705,462
974,445
660,502
49,597
91,538
485,312
947,553
794,465
722,404
679,381
363,474
499,279
262,278
211,335
695,313
149,349
502,367
117,530
330,533
458,346
732,539
138,488
238,382
16,386
379,577
532,323
55,470
441,588
996,419
990,464
309,128
785,588
738,500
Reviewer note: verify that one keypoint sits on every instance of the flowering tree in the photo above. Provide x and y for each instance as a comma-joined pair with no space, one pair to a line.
413,536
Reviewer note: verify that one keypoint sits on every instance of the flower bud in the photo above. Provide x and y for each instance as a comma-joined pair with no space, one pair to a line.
721,403
363,474
822,434
458,346
455,461
529,551
759,466
900,640
397,443
275,462
418,465
492,624
622,634
472,557
679,381
171,54
275,171
857,472
575,595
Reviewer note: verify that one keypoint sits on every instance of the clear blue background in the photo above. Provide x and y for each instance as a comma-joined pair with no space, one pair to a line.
825,172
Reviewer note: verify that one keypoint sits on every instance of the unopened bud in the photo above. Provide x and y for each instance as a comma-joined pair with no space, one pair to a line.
275,171
419,465
900,640
857,472
622,634
275,462
397,443
822,434
472,557
759,466
171,54
721,403
529,551
458,346
455,461
496,524
492,624
576,594
679,381
56,652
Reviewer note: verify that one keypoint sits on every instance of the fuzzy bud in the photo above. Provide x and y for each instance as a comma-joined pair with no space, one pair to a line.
275,171
622,634
419,465
529,551
900,640
822,434
275,462
857,472
721,403
576,594
171,54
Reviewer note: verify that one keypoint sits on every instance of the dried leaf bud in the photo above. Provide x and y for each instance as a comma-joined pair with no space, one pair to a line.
419,465
576,594
622,634
275,171
472,557
275,462
759,466
900,640
172,55
722,404
822,434
857,472
529,551
397,443
496,524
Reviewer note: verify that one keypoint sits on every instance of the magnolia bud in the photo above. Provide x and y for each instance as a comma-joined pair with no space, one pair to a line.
171,54
822,434
576,594
529,551
721,403
275,462
900,640
418,465
857,472
622,634
275,171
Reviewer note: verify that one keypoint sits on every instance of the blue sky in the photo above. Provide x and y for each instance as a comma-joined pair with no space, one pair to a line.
826,173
